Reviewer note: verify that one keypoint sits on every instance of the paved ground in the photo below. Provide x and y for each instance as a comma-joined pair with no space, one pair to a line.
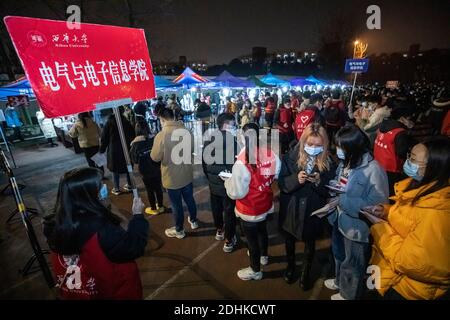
191,268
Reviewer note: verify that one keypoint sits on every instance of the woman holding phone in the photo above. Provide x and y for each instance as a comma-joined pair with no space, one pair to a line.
411,237
364,183
305,171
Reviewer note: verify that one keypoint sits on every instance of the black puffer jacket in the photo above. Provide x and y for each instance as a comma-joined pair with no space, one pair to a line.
212,170
297,202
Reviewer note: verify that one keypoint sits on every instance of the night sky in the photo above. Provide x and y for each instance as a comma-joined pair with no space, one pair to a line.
219,31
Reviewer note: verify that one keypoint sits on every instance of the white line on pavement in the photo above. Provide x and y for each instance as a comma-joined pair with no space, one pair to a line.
197,259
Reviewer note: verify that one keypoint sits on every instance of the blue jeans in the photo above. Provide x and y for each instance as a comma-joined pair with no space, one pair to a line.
116,177
175,197
351,259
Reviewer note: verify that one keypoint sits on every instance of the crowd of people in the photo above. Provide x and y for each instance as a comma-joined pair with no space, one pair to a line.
379,165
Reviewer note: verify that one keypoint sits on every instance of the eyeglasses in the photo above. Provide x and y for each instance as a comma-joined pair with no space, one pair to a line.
419,163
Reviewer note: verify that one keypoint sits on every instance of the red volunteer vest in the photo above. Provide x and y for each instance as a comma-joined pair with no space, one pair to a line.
91,275
285,117
302,120
259,198
270,107
384,150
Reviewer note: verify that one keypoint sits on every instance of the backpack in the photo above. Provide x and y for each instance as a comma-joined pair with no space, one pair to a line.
333,116
302,120
147,167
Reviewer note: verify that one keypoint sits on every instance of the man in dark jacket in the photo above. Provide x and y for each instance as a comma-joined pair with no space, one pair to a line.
393,143
219,156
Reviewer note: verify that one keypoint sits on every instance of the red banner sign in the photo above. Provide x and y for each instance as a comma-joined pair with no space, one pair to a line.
71,70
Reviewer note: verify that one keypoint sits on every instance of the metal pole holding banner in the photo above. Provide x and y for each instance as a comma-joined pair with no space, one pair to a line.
350,105
38,255
115,104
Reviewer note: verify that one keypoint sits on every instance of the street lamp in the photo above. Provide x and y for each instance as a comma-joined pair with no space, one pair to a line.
354,48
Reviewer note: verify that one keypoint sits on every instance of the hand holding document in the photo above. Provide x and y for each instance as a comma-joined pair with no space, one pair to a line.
99,159
373,219
327,209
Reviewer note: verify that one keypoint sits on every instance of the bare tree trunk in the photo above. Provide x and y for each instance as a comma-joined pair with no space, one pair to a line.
130,13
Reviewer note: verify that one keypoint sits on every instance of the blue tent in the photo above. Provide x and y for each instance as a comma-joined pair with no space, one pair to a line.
17,88
161,83
274,81
226,79
300,82
316,81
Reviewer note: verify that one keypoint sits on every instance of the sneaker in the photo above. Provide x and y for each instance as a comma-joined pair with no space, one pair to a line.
248,274
220,235
229,245
264,260
337,296
127,188
116,192
151,211
194,224
173,233
331,284
161,209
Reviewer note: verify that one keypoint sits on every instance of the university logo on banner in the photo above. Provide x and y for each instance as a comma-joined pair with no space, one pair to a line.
72,70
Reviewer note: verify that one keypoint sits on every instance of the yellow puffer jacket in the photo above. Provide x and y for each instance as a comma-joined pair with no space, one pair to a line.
413,248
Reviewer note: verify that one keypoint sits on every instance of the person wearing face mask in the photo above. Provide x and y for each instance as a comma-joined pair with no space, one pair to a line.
245,113
363,183
269,110
392,143
283,121
411,243
305,171
93,257
253,173
176,177
256,112
222,207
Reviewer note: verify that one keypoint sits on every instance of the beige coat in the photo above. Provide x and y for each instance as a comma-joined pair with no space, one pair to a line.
87,137
174,175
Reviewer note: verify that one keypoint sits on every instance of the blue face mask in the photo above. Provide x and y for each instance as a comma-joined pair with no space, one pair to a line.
313,151
412,170
340,153
103,194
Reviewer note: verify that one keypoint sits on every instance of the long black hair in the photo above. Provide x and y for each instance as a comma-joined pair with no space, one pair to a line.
437,172
355,143
77,204
83,116
248,130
